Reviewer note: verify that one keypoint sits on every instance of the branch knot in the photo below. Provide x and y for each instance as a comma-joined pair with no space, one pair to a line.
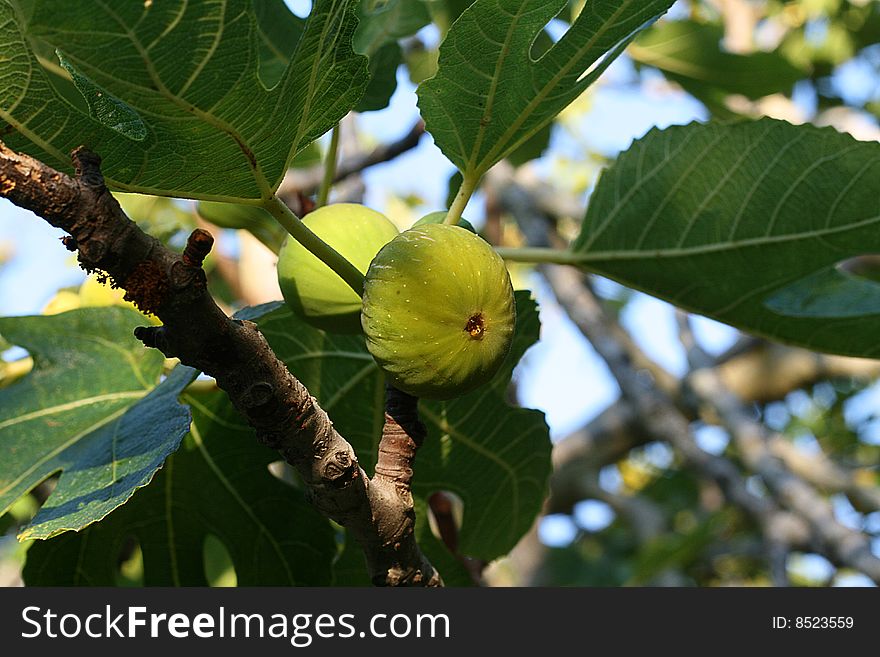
88,168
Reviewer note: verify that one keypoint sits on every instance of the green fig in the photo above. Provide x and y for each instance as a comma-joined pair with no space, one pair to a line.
313,290
438,311
439,217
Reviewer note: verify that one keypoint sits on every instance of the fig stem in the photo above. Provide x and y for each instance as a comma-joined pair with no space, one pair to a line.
402,436
459,203
318,247
540,255
329,169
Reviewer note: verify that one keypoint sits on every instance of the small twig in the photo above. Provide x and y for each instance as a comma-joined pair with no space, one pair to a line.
308,181
329,169
383,153
754,442
777,547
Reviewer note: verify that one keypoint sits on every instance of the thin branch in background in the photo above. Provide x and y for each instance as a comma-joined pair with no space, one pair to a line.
308,181
753,441
807,519
663,420
383,153
840,544
329,168
618,429
607,439
777,547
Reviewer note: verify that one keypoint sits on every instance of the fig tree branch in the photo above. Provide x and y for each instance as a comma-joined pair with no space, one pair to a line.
618,429
752,438
377,512
663,421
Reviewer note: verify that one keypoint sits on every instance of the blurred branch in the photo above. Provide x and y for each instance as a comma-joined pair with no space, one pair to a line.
657,408
662,420
740,20
308,181
824,473
769,371
847,546
605,440
522,186
618,429
811,515
578,460
647,520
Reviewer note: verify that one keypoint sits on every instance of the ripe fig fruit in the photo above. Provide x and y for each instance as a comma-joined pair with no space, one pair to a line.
313,290
438,311
439,217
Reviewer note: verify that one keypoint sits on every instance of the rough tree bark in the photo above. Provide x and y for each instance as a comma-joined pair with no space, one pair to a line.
377,511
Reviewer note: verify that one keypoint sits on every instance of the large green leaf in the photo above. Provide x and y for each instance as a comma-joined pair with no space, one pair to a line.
180,108
495,457
90,410
386,21
746,223
280,30
445,12
217,484
383,78
690,53
382,24
490,94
